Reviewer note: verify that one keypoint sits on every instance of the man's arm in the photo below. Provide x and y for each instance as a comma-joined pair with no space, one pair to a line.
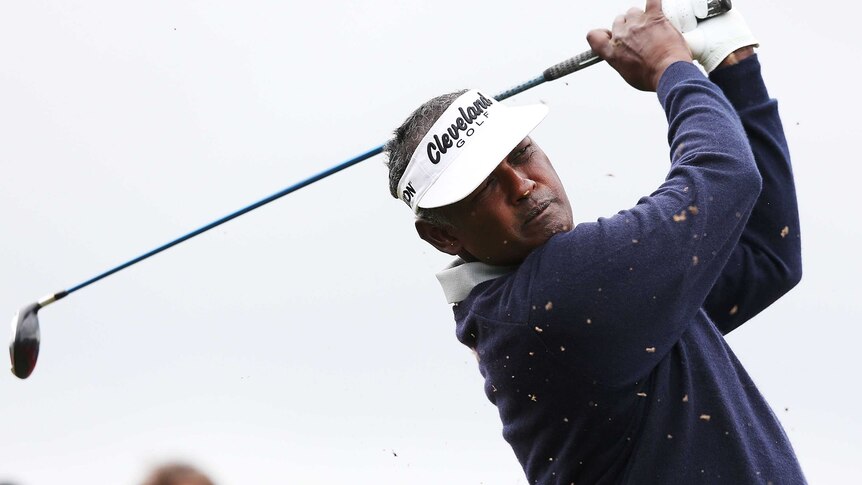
767,262
624,289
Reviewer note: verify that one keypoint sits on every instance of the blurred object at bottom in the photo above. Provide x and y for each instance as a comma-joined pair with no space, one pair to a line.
177,474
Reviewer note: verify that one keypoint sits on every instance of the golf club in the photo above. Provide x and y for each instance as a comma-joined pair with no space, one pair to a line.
26,336
24,345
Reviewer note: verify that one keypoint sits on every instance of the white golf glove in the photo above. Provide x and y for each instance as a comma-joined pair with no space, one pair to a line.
716,38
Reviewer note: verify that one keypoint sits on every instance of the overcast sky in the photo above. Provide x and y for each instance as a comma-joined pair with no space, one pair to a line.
309,342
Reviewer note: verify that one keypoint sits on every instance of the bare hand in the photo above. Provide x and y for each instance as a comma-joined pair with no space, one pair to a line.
641,45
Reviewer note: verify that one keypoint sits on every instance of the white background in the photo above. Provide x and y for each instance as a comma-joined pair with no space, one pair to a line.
308,342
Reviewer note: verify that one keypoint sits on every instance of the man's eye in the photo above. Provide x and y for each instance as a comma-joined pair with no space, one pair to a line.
522,155
483,189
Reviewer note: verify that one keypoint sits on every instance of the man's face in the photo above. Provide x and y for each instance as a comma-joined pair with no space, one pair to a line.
516,209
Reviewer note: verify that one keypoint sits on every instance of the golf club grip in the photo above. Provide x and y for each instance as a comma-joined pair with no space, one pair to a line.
580,61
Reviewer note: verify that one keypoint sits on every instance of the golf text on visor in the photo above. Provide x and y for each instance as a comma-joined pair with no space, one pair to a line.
463,146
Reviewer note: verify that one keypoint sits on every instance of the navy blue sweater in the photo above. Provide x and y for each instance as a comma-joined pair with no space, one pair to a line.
604,350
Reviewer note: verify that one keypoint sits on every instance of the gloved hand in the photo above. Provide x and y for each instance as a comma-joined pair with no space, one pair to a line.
716,38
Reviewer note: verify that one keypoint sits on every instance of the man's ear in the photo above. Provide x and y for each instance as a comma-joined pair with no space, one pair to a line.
439,237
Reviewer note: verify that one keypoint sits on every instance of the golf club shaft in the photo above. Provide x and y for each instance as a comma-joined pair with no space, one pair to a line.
557,71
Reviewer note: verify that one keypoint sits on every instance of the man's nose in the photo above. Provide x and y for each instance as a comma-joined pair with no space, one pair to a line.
518,185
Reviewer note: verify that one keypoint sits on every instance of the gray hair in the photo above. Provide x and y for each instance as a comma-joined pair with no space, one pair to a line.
407,137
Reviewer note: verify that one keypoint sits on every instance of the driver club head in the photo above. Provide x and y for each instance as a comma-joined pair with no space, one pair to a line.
24,346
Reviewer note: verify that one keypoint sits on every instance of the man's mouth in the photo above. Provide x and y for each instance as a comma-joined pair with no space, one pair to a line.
537,210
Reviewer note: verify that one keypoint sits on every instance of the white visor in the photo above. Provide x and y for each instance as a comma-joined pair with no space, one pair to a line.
465,144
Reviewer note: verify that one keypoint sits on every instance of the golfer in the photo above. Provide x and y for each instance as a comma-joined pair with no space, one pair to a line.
601,343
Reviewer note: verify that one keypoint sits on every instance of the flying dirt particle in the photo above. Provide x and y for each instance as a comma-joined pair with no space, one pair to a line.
685,398
532,354
705,417
609,175
635,241
786,410
695,260
533,397
505,242
551,459
694,210
650,350
549,306
539,329
394,454
785,232
685,190
669,436
641,394
679,217
565,420
493,388
739,215
589,321
562,348
734,310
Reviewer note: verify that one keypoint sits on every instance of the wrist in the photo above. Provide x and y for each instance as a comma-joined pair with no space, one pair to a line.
663,67
737,56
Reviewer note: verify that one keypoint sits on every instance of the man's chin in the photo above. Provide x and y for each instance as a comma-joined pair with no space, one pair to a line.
555,223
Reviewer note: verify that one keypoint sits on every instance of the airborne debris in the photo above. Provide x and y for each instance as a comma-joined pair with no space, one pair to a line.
734,310
705,417
549,306
562,349
539,329
685,398
641,394
785,231
679,217
650,350
695,260
694,210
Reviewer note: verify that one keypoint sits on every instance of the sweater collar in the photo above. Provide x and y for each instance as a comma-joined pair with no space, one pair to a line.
460,277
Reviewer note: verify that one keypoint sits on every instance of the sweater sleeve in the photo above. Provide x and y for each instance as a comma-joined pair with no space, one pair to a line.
625,288
767,262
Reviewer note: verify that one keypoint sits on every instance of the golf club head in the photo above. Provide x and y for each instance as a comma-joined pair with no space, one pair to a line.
24,346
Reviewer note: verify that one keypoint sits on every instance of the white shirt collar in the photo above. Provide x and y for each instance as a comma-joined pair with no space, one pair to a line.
460,277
